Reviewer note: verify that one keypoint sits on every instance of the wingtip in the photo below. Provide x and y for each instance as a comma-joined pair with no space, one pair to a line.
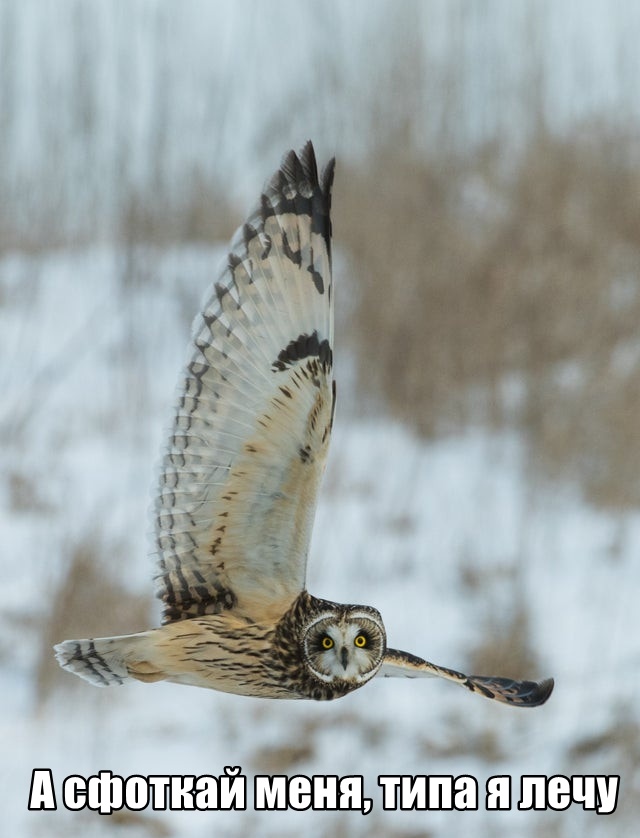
303,164
529,693
65,653
508,691
545,688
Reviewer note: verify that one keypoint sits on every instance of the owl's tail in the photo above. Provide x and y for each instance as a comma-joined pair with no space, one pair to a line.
106,661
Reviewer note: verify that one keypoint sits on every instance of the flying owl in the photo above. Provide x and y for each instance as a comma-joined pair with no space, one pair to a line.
236,499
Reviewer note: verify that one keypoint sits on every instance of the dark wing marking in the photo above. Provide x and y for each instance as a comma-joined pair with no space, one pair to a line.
237,495
399,664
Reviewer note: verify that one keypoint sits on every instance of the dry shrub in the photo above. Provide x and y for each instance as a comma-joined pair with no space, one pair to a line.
615,750
410,259
505,646
281,759
464,740
474,272
199,211
23,494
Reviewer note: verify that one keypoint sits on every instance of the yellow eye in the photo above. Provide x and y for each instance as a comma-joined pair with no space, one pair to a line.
327,642
360,641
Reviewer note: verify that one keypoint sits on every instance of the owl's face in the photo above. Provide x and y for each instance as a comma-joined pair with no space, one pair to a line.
345,645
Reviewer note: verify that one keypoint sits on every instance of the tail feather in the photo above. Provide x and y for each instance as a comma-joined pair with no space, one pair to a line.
100,661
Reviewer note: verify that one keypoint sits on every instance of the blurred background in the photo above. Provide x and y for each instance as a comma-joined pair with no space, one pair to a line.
484,480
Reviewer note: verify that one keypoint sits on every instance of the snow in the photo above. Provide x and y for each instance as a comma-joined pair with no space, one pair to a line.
445,538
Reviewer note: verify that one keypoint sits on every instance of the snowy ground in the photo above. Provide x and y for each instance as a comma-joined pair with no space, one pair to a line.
448,540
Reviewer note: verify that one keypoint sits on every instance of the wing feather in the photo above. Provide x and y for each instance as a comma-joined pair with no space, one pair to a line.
399,664
237,495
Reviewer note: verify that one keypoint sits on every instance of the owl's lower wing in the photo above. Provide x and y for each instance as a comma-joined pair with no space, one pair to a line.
237,494
399,664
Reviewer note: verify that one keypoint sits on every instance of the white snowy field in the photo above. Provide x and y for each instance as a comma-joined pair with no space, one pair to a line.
461,551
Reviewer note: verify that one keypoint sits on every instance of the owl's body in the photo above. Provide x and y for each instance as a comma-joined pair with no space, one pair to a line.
238,489
232,654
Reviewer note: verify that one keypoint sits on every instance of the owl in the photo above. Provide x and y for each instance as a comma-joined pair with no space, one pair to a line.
237,494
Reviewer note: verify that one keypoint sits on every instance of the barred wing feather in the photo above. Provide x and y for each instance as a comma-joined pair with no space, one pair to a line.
398,664
237,494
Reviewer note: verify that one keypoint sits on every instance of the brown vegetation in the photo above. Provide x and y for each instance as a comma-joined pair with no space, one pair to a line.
506,295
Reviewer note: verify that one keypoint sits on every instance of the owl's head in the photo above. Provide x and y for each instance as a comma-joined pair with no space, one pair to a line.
346,644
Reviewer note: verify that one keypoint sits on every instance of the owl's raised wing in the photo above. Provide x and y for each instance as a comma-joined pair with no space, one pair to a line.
237,493
519,693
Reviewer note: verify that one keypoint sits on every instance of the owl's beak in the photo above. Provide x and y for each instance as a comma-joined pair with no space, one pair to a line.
344,657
